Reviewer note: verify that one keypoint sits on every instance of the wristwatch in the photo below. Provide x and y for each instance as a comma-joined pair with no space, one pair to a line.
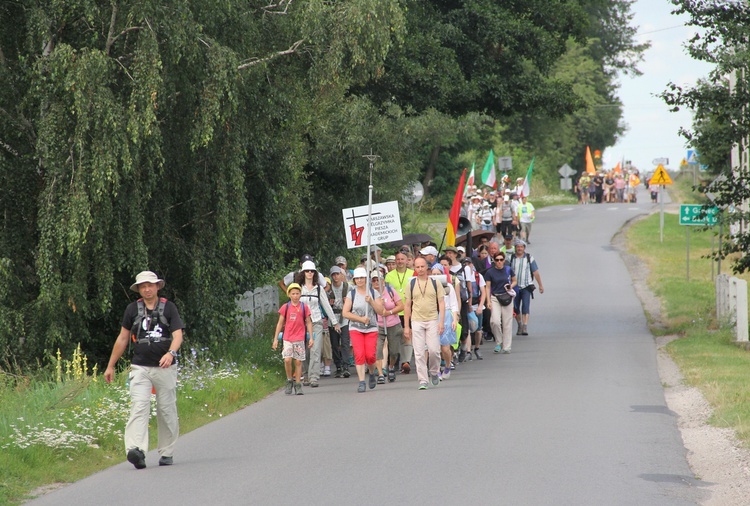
173,353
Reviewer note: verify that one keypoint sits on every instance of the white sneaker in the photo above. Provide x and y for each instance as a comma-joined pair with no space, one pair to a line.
327,371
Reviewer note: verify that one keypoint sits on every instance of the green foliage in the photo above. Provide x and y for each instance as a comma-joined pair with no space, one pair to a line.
481,56
721,120
214,141
60,431
613,36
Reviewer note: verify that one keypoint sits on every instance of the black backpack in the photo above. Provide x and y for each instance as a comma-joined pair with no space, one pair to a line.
462,283
136,328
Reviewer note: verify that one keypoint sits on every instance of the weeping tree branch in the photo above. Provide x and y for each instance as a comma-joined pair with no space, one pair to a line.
111,37
273,7
110,34
255,61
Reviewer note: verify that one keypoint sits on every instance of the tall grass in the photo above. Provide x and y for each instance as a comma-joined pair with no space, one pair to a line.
706,353
60,430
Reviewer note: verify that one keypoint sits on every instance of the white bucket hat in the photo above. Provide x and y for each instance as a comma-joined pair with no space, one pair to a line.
147,277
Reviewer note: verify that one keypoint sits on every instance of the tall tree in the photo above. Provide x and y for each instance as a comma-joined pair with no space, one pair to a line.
214,141
481,56
720,102
170,135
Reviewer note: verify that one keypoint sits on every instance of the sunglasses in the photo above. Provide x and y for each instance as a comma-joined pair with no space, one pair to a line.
308,271
499,259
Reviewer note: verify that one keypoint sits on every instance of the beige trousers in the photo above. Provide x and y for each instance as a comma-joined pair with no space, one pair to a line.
164,381
426,343
501,321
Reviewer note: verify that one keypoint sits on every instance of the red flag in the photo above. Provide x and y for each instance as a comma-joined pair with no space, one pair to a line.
452,226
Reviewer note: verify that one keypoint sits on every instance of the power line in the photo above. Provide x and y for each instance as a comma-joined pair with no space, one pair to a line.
661,30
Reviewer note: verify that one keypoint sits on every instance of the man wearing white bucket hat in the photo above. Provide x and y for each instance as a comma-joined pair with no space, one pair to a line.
155,328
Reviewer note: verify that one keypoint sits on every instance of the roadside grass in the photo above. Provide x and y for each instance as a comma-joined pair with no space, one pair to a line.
705,353
61,431
682,188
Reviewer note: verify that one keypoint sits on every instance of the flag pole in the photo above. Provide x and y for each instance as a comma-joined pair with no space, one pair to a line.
443,239
372,159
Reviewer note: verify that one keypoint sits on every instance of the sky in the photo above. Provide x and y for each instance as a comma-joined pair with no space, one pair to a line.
652,130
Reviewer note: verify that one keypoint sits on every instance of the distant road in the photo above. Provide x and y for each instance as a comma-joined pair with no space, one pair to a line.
574,416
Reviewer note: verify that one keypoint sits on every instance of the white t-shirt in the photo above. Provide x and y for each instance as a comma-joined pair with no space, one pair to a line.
465,271
451,302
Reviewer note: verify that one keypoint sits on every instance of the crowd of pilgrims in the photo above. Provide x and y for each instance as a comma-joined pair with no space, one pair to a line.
376,321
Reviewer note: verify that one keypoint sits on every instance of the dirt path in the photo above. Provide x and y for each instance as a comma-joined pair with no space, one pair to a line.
714,454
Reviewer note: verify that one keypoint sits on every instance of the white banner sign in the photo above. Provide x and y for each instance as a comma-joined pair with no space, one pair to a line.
385,227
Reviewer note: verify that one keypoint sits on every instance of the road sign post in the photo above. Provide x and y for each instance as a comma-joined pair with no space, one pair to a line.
693,158
661,177
566,172
505,163
695,215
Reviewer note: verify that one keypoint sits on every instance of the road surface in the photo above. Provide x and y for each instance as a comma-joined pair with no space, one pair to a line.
575,415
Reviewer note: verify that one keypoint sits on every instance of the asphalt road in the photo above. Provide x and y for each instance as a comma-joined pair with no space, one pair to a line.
574,416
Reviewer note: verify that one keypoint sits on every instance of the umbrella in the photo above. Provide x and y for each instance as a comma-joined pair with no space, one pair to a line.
411,239
476,237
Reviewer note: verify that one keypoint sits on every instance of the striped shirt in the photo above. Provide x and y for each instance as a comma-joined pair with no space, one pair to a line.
524,267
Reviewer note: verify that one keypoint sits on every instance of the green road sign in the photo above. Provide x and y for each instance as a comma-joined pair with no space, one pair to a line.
691,214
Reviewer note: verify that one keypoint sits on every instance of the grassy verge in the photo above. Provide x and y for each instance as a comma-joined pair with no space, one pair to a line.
708,358
60,431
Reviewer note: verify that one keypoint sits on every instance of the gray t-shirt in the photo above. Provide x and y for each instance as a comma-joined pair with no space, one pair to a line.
338,304
361,307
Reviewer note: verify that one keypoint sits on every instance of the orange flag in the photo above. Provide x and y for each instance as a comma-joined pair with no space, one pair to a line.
618,170
452,226
589,162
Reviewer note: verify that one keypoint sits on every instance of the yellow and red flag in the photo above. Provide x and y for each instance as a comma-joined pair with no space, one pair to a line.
452,226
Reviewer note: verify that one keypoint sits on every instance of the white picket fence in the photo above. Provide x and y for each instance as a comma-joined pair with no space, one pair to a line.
256,304
731,304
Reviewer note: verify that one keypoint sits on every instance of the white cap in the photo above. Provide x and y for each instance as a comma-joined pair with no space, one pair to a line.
461,248
429,250
359,272
307,265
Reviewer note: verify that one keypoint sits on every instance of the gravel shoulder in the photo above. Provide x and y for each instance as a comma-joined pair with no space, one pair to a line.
714,454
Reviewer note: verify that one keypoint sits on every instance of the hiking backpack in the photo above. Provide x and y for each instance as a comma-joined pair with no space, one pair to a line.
136,328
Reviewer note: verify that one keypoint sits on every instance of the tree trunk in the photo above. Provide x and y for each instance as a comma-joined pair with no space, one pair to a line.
430,173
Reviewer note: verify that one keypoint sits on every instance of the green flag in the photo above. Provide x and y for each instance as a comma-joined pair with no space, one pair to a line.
488,173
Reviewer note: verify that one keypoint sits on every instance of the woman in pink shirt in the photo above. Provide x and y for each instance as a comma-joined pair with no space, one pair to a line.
389,325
